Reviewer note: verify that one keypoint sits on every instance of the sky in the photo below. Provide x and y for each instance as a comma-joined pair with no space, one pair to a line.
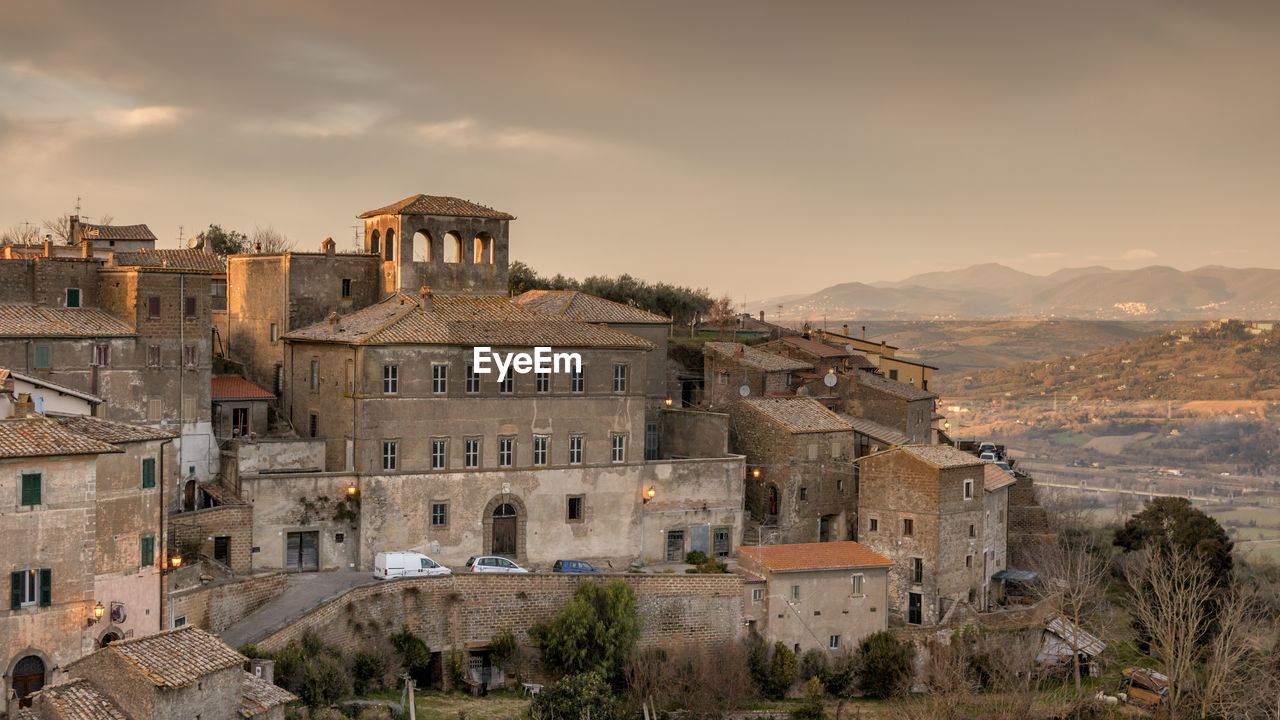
755,149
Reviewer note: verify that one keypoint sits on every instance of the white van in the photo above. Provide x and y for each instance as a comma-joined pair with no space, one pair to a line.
387,565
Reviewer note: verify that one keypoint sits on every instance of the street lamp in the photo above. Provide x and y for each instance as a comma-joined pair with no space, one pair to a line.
97,613
649,494
175,561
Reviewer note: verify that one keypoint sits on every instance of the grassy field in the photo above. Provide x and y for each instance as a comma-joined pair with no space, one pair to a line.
1073,438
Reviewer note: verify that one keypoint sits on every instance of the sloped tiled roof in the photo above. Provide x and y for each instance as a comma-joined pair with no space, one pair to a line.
798,414
759,359
234,387
587,308
1073,638
45,321
116,232
893,387
43,437
995,477
258,696
815,556
175,658
78,699
110,431
943,456
184,259
49,384
875,430
438,205
463,320
814,347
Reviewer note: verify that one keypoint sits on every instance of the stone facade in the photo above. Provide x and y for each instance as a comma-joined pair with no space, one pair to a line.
220,604
222,532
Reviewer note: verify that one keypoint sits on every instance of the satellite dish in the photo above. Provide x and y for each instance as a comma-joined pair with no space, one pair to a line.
745,390
829,379
848,347
196,243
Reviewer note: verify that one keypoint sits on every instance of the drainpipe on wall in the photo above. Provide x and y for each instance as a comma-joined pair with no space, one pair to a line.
164,542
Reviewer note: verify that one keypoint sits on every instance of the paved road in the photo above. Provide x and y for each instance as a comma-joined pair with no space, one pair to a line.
305,591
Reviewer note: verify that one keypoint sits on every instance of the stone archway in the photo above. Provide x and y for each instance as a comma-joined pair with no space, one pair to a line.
28,673
505,521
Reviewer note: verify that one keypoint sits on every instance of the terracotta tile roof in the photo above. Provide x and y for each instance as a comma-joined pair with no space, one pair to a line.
797,414
116,232
184,259
875,430
43,437
759,359
943,456
893,387
79,700
234,387
175,658
587,308
258,696
110,431
747,576
815,556
995,477
463,320
45,321
438,205
814,347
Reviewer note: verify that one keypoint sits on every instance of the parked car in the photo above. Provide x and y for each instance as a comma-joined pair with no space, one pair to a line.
573,566
988,456
387,565
493,564
987,447
1004,466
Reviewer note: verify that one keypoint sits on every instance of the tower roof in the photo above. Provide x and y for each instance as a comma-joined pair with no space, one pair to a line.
438,205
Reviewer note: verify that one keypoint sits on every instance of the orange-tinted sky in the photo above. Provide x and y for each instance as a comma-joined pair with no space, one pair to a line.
753,148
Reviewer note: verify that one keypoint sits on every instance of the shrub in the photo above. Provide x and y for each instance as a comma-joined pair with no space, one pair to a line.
811,708
839,677
323,682
884,665
595,630
456,671
415,656
250,651
782,672
575,697
814,663
367,670
695,557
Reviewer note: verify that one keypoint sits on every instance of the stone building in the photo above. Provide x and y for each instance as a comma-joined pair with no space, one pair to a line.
882,355
730,367
800,469
890,404
816,596
175,675
825,358
116,238
239,407
928,508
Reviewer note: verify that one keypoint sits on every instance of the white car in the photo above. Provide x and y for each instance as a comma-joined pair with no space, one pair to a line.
493,564
988,456
388,565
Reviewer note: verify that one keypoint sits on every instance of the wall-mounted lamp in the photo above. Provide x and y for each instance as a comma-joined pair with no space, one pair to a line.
649,495
351,491
97,614
755,472
668,402
176,561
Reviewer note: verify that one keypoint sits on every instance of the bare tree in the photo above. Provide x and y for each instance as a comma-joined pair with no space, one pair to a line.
270,240
722,314
20,234
60,227
1226,689
1073,576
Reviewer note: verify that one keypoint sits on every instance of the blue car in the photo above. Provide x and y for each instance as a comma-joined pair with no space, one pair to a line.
573,566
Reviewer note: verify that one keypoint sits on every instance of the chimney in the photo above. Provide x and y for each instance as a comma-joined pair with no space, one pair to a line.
334,317
86,250
844,329
263,668
864,332
327,247
48,248
23,406
761,316
76,232
257,247
425,299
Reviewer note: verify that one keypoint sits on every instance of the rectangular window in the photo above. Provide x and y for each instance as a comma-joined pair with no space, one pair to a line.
148,472
218,295
314,380
155,410
720,541
619,378
439,379
189,355
804,493
240,422
188,406
971,531
651,441
795,593
508,385
543,381
856,584
390,379
389,455
346,288
101,355
968,561
31,489
833,642
439,454
313,425
619,448
189,307
917,570
148,545
893,374
473,380
439,514
471,453
73,297
540,443
153,356
873,525
506,451
44,358
968,489
908,527
575,449
576,383
153,307
757,595
573,509
275,332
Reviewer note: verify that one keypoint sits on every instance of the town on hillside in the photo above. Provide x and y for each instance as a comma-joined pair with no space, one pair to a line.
256,482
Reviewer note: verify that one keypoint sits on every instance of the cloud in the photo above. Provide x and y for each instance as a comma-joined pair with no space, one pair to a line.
139,117
342,120
1139,254
466,134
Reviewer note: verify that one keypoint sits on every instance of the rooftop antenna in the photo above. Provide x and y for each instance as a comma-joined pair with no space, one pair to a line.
77,204
180,235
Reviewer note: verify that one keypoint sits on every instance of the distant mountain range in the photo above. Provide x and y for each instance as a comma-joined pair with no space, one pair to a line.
991,290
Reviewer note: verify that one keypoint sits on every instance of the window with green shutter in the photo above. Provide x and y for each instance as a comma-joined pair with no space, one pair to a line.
30,488
46,587
148,550
148,472
42,357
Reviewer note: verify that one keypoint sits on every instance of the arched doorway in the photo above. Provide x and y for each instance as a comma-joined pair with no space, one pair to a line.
374,246
28,677
108,638
773,499
504,529
189,495
389,246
